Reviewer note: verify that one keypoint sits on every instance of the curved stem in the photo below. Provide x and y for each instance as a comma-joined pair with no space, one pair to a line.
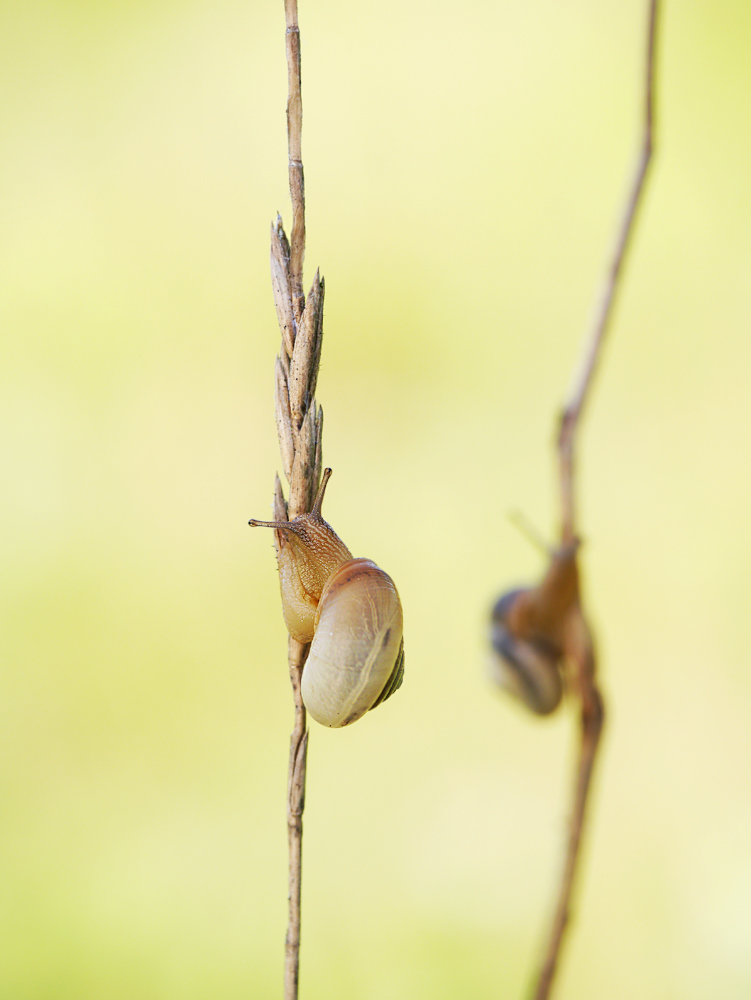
604,309
584,683
592,718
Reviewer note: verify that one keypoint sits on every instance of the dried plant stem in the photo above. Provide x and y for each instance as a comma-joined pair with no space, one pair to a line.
294,148
592,717
594,339
295,804
299,424
584,682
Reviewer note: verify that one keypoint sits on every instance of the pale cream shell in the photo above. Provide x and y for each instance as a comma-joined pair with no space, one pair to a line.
358,640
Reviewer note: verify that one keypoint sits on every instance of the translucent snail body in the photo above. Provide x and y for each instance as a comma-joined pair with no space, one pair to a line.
350,611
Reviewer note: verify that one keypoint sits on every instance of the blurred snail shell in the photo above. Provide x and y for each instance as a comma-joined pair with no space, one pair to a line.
531,629
348,608
530,669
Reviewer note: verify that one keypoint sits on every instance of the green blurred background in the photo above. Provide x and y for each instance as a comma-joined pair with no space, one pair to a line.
465,167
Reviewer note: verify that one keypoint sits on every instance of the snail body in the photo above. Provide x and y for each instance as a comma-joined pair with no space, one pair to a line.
350,612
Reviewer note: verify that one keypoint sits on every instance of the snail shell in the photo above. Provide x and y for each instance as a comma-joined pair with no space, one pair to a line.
528,668
356,660
348,608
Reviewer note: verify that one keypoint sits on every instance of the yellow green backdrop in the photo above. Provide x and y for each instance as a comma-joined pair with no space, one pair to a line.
465,168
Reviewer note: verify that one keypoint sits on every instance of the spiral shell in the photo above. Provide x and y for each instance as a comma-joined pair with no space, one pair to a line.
528,668
351,611
356,660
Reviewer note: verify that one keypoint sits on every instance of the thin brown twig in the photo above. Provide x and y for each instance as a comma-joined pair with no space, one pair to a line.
592,718
580,642
299,427
298,752
294,148
603,312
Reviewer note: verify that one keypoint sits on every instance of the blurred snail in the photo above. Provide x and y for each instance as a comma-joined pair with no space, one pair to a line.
534,629
348,608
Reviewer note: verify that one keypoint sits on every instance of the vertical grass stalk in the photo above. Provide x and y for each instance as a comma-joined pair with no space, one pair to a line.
299,422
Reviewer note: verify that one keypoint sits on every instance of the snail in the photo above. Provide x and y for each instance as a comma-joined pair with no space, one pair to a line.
349,610
534,630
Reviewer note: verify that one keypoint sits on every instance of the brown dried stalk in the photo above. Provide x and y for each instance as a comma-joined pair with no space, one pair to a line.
594,339
299,424
577,641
